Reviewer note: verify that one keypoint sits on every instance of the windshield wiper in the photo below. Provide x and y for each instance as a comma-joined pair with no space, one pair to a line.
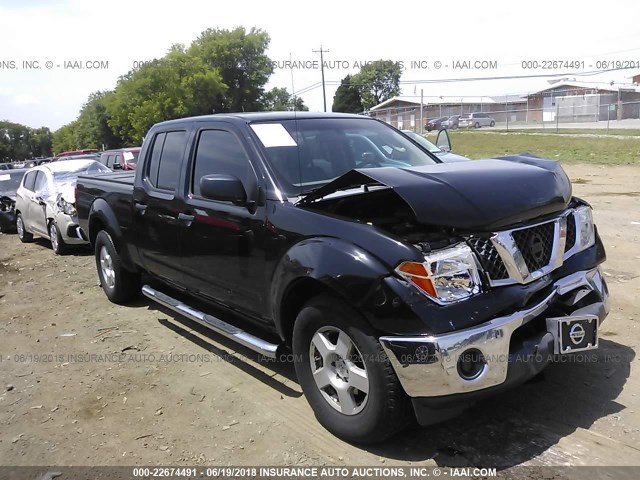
310,191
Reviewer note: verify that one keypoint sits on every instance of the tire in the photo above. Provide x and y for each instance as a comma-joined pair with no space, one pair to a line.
492,124
476,125
353,414
23,235
119,284
57,243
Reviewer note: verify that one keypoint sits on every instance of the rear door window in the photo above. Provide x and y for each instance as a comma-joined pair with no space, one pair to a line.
154,161
166,158
171,159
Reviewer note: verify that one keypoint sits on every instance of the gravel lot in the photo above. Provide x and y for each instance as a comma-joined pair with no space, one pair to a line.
86,382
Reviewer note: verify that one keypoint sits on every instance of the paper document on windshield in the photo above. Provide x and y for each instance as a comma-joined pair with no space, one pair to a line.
4,178
273,135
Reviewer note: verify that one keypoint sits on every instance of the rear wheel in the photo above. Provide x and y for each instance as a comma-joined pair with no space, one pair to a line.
119,284
345,374
57,243
23,235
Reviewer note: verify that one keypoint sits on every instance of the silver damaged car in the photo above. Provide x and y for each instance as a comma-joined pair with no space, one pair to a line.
45,202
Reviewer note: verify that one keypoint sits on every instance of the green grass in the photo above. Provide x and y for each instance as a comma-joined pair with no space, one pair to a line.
567,149
570,131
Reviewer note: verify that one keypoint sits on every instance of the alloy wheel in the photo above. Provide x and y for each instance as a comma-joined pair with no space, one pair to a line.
53,235
20,227
106,266
339,370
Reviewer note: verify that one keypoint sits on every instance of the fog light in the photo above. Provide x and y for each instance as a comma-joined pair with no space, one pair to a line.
471,364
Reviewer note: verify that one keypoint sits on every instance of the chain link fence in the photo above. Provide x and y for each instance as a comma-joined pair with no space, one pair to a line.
580,112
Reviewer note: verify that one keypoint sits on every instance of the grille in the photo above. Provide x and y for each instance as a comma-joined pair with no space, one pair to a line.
571,233
535,244
489,258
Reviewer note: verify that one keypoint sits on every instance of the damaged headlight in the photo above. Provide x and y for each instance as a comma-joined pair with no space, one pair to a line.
66,207
585,231
446,276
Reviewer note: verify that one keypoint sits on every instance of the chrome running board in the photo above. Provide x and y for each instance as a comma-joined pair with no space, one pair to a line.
223,328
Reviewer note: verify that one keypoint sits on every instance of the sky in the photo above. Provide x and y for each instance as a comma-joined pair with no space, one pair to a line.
427,39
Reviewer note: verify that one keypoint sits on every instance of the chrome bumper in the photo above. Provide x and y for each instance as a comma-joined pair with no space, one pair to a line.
436,372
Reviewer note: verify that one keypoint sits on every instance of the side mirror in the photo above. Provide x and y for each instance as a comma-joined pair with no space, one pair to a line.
117,166
223,187
443,142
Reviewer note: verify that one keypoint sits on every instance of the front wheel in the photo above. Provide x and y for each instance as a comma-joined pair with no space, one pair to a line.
345,374
493,124
476,125
23,235
119,284
57,243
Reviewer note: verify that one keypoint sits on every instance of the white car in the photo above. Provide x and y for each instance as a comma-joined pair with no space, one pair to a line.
45,202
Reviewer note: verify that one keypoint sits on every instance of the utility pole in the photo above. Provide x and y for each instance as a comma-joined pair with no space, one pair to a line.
324,95
421,111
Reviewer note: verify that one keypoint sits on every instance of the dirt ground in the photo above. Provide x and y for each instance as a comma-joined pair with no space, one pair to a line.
86,382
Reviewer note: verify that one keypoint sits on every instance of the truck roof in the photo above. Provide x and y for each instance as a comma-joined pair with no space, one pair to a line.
249,117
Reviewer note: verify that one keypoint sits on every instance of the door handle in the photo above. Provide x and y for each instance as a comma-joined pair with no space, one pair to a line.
140,208
186,218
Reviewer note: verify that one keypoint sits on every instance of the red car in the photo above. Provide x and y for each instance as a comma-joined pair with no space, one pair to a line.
435,123
77,152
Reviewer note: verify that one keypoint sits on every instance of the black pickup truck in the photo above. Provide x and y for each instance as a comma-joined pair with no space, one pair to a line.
402,287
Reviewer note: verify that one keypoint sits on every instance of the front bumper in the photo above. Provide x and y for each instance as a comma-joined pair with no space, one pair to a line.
71,232
511,345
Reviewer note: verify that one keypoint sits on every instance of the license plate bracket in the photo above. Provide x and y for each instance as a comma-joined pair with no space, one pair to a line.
574,333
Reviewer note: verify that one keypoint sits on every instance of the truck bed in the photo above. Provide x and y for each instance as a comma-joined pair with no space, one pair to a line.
115,188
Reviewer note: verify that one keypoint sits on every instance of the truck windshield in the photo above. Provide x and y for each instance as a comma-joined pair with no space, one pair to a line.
307,153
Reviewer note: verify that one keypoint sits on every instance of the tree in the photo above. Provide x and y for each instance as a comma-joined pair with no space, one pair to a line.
347,98
378,81
240,59
19,142
178,85
66,138
41,142
279,99
93,130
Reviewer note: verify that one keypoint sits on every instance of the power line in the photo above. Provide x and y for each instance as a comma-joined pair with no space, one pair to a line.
474,79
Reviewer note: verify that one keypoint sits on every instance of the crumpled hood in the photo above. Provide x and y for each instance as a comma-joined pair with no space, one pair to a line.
474,195
67,191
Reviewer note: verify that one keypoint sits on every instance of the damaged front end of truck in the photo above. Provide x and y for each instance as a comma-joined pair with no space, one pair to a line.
505,276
